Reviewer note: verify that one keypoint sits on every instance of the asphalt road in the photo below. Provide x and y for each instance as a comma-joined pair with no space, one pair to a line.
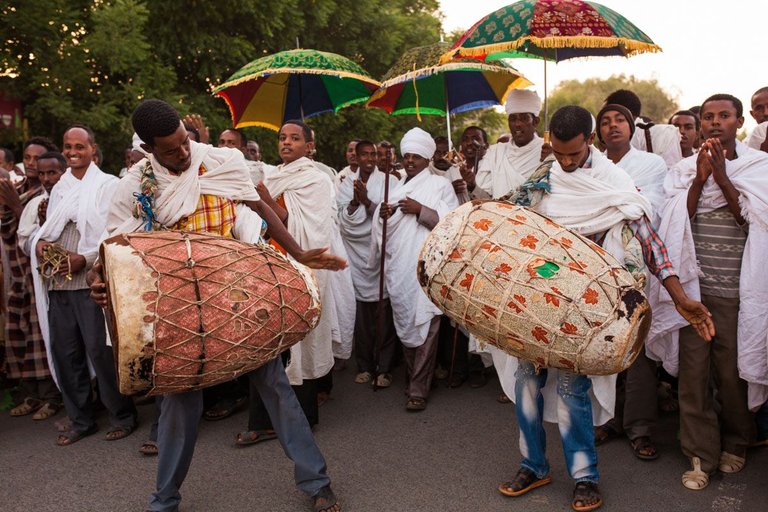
448,458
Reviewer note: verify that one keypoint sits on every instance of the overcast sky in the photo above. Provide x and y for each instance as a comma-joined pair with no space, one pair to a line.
708,47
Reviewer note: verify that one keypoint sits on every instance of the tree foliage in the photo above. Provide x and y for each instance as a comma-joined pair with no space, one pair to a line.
591,93
91,61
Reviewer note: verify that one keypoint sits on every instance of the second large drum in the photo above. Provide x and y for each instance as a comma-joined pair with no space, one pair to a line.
534,289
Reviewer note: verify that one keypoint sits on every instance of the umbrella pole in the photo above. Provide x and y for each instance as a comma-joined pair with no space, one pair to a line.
448,124
546,104
380,317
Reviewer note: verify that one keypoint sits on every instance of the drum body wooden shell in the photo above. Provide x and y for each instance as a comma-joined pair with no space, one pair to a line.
189,310
534,289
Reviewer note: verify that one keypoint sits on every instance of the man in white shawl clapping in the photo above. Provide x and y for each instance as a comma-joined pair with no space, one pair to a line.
413,210
715,225
587,193
183,182
358,197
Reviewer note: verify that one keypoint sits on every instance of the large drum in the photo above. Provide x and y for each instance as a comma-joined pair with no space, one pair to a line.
188,310
534,289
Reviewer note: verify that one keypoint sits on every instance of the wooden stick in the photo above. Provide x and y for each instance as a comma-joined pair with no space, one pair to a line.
380,317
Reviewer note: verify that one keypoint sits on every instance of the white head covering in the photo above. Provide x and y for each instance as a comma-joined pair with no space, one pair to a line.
136,144
418,142
523,101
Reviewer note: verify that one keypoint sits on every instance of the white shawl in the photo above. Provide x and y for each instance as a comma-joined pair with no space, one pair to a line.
758,136
412,309
356,233
648,171
506,166
748,174
665,139
82,201
588,201
308,195
29,223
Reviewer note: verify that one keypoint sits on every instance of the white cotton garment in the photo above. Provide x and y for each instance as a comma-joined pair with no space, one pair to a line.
412,309
748,174
648,171
506,166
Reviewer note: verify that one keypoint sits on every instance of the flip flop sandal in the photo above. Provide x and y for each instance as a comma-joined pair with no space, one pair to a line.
325,500
254,436
643,448
416,405
72,436
224,409
525,480
118,432
149,448
46,411
605,433
695,479
730,463
28,406
583,493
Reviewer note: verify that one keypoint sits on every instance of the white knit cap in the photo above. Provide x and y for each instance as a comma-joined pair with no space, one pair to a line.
418,142
523,101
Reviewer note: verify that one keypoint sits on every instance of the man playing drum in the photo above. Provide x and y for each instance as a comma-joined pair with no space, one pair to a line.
587,193
200,188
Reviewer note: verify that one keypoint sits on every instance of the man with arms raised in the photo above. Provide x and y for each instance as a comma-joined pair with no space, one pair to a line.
77,214
358,197
193,180
414,210
715,226
507,165
586,192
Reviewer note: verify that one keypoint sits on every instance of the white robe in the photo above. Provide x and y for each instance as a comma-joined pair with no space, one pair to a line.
308,193
412,309
83,201
258,170
588,201
748,173
506,166
665,139
29,223
758,136
356,232
648,171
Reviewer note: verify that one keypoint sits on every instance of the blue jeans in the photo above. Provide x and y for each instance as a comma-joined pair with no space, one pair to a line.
574,411
178,425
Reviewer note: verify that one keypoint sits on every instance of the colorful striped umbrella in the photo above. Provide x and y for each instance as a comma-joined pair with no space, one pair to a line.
294,84
418,84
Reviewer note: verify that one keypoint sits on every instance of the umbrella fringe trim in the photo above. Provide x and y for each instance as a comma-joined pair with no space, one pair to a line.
440,68
633,47
296,71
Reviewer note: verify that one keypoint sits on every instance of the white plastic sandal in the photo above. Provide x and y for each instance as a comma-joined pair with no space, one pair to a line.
730,463
695,479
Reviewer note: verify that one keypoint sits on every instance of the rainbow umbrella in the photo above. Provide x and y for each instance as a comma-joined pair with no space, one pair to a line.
294,84
418,84
553,30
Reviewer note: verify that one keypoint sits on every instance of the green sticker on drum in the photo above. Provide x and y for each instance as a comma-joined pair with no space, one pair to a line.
547,270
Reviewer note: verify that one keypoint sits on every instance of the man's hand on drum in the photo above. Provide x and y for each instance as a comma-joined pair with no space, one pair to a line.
95,279
409,206
321,259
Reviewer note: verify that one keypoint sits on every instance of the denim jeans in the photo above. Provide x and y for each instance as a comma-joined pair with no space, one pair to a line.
177,433
574,412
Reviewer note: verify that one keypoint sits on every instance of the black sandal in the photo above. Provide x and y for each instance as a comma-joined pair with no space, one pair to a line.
325,501
525,480
586,497
644,449
605,433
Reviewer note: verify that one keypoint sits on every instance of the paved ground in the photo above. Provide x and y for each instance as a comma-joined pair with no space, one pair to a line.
449,458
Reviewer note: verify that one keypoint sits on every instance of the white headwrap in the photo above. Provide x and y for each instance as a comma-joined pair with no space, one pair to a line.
523,101
418,142
136,144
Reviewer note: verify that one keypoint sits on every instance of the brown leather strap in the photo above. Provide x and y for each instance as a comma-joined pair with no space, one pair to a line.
648,142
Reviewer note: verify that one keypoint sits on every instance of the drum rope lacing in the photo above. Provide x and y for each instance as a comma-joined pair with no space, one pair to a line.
54,259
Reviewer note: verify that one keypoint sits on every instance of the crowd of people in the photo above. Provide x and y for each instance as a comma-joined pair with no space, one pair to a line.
683,202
